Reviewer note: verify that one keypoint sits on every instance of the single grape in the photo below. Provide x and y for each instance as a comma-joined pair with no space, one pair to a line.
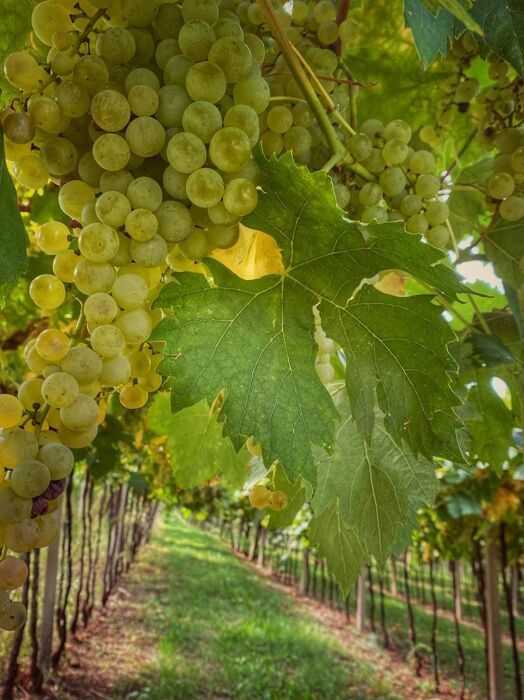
205,188
500,185
30,478
278,500
259,496
11,410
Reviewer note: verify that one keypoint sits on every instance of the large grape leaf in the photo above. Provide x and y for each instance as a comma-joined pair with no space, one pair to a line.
379,487
501,21
13,239
504,247
255,338
338,544
197,449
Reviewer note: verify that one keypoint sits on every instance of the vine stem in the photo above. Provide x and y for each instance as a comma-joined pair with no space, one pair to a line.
301,78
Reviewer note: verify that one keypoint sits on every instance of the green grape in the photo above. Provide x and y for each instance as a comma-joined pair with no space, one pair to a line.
30,393
83,412
280,119
240,197
115,371
196,39
512,208
422,162
98,243
90,277
59,156
60,389
253,92
47,291
229,149
110,110
297,140
13,616
112,208
249,171
142,77
397,129
13,508
417,224
342,195
100,309
133,396
165,50
176,70
374,129
130,291
517,160
77,439
136,326
438,236
500,185
233,56
174,220
88,215
53,237
44,112
29,478
437,213
149,253
508,140
370,194
111,152
173,102
141,224
374,213
144,193
392,181
73,197
206,81
115,46
375,162
186,152
21,537
58,459
117,181
245,118
196,246
205,10
47,530
222,236
272,143
30,172
410,204
16,445
205,188
360,146
89,170
427,185
72,99
64,265
228,27
140,362
107,341
202,119
83,364
167,21
327,33
91,73
13,574
300,12
11,410
52,344
466,90
145,136
349,31
218,214
22,70
18,128
302,115
143,100
394,152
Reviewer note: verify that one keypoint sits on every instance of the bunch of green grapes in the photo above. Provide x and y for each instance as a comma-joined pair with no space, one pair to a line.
262,497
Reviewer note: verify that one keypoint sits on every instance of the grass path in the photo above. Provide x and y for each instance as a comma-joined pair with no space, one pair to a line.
192,621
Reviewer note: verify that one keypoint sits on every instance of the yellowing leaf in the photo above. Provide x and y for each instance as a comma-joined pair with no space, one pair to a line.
392,284
254,255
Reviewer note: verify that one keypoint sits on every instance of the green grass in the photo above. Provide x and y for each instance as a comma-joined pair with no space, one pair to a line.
225,633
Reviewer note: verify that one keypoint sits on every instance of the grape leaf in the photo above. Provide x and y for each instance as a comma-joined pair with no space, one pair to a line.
504,246
338,544
105,452
457,9
13,238
490,429
467,206
501,21
255,338
194,440
378,486
16,25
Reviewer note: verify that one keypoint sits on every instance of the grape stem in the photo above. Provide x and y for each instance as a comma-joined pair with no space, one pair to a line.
459,155
79,326
41,419
301,77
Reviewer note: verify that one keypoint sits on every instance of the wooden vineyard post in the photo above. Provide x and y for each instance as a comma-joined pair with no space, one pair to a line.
360,613
494,642
48,603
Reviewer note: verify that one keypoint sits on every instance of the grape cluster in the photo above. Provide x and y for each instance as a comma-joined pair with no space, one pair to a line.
262,497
